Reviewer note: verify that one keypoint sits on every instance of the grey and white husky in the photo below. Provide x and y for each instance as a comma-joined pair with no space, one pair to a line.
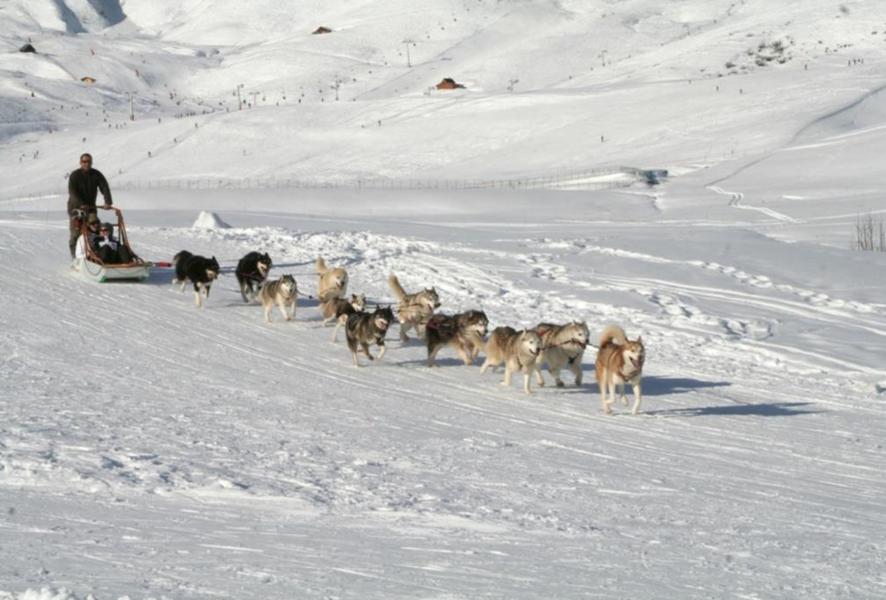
284,293
364,328
518,350
339,309
562,346
415,309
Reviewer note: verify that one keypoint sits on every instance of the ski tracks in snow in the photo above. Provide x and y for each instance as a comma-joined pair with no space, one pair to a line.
736,201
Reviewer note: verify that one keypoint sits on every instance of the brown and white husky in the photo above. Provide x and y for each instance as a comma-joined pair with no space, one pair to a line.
619,362
333,281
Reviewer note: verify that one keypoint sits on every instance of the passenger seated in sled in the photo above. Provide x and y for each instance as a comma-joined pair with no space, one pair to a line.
108,248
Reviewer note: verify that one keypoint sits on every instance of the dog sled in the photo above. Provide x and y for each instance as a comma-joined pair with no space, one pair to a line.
90,265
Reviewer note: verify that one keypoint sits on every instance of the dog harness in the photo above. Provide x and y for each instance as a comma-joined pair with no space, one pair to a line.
254,276
571,359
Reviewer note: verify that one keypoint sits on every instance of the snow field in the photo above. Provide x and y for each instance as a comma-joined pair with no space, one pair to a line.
285,465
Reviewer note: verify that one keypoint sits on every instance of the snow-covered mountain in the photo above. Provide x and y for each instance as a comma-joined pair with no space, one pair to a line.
550,86
149,449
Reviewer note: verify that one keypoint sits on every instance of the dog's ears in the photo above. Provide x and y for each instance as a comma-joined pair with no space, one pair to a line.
640,339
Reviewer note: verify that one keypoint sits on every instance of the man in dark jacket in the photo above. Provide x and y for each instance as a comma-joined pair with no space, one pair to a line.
83,187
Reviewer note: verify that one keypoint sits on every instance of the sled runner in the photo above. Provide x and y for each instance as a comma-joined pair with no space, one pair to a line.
91,266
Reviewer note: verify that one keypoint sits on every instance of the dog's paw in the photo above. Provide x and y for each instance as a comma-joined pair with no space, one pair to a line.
560,383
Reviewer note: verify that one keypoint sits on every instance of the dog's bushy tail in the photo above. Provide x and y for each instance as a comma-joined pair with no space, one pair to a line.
320,265
613,333
398,290
183,255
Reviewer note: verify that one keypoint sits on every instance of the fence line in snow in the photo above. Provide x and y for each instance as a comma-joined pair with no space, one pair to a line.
594,179
589,179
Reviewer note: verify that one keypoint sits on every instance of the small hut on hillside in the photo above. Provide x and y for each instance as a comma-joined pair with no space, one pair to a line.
28,48
88,80
449,83
322,29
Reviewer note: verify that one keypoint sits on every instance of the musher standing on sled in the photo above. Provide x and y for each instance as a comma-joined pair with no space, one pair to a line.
83,187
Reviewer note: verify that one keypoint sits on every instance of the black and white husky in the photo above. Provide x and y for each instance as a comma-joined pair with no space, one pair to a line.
284,293
199,270
252,271
364,328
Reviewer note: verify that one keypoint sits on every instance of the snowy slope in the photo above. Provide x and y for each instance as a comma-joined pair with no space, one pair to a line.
654,83
202,453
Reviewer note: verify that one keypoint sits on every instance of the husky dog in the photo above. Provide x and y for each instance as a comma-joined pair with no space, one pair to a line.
366,328
561,346
252,271
199,270
339,309
179,261
518,350
414,309
283,292
333,281
619,362
464,332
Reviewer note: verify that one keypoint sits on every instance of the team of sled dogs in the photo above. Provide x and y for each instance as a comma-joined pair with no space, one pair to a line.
619,359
